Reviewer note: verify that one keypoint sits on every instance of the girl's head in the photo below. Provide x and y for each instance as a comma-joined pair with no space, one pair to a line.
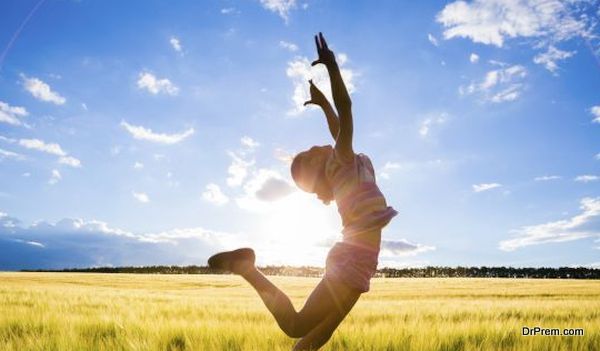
308,171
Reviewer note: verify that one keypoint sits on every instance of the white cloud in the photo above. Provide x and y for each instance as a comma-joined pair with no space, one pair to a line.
403,248
586,178
550,57
260,186
509,94
403,263
474,58
228,10
584,225
432,39
284,156
149,82
141,197
71,243
274,188
70,161
300,71
263,187
494,21
387,168
55,177
35,243
485,186
546,177
593,265
238,169
10,154
138,165
51,148
11,114
281,7
41,90
8,140
341,58
249,142
428,122
176,44
40,145
499,85
595,111
213,194
497,63
179,236
142,133
288,46
32,243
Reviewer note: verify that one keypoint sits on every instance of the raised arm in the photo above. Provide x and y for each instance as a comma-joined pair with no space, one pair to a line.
319,99
341,99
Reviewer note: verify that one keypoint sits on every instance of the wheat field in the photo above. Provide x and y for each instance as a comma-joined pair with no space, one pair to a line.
69,311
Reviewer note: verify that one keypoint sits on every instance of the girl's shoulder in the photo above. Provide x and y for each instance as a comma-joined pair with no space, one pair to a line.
360,166
365,160
336,161
365,168
336,165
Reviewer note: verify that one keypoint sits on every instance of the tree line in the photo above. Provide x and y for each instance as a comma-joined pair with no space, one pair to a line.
423,272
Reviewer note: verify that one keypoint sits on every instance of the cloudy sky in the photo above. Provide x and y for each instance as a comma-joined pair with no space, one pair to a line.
155,132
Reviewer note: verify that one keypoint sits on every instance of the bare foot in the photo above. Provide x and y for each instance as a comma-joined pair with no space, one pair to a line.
237,261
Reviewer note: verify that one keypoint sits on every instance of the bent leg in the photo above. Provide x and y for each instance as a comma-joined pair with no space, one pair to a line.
274,299
322,332
327,299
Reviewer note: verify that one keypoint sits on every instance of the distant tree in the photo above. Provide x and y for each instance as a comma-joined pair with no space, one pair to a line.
425,272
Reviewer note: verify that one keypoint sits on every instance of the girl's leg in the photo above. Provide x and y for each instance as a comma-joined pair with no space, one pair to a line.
328,302
322,332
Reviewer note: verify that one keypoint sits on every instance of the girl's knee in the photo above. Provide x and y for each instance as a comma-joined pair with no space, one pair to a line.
295,328
312,343
319,335
295,333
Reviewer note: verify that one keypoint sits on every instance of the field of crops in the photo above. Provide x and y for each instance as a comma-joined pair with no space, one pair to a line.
56,311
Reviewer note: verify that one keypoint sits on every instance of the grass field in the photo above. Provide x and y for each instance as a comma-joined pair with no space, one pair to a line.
47,311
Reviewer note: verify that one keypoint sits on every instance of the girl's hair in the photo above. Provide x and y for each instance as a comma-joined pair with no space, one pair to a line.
308,166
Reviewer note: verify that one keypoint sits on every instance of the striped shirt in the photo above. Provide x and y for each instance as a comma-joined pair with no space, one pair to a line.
361,204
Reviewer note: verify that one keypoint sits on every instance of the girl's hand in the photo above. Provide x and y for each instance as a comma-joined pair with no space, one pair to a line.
316,96
326,56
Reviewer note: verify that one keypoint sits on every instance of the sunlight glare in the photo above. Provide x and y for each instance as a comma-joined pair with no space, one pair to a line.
300,230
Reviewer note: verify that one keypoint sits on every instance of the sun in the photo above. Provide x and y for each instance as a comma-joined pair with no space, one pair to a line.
300,229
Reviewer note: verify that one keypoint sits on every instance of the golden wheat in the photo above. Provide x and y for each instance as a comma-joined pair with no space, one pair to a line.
60,311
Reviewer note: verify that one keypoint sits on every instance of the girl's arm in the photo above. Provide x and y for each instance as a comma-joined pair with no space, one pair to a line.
319,99
341,99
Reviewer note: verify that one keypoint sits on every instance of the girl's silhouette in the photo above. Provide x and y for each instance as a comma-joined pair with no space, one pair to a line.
332,173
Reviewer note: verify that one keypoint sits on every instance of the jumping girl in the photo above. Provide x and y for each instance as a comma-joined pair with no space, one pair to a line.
332,173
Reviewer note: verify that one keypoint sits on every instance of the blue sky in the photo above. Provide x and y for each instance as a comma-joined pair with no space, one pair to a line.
155,132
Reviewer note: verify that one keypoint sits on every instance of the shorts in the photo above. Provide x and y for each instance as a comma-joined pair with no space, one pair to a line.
351,265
